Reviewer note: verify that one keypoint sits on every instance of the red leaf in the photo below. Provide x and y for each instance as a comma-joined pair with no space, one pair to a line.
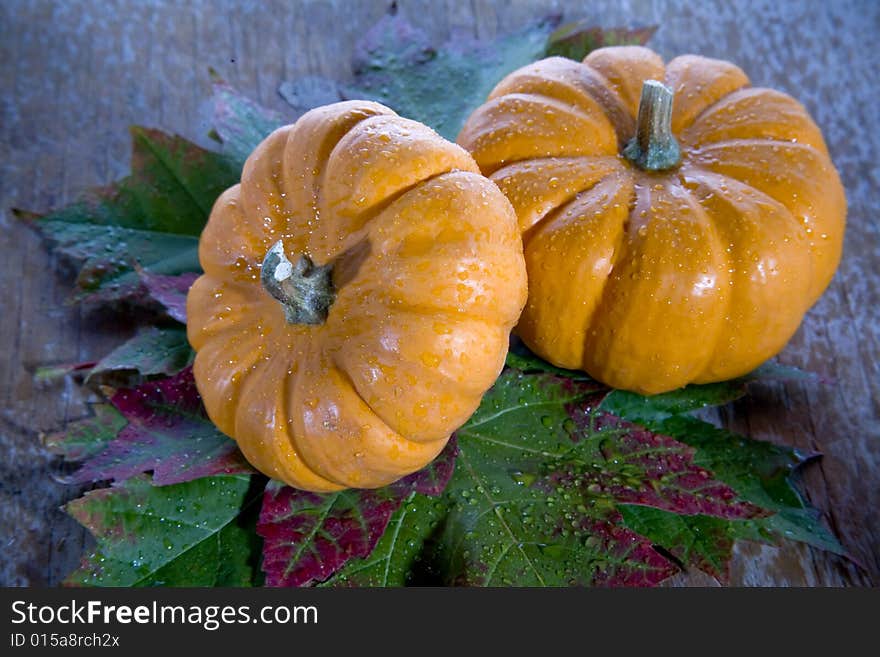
310,536
169,433
668,478
634,561
169,291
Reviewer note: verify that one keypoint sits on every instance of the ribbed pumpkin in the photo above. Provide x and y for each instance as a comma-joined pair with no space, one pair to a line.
360,285
677,222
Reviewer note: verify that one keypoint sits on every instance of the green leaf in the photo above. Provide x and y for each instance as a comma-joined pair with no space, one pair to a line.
240,124
309,537
519,357
151,218
760,472
644,410
539,478
700,542
168,433
189,534
439,87
89,436
152,351
578,39
396,558
638,408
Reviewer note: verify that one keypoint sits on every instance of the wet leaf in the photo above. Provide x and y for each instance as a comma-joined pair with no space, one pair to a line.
396,65
169,292
168,433
152,351
240,124
578,39
310,536
540,477
198,533
395,561
151,219
88,436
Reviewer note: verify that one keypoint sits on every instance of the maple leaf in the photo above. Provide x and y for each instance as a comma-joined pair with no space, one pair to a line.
240,124
151,351
577,39
396,64
169,292
396,559
198,533
167,432
152,218
309,536
540,476
87,436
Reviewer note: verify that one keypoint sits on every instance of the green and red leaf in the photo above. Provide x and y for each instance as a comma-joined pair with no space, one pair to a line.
151,352
150,219
88,436
578,39
198,533
309,536
169,292
240,124
396,64
541,473
168,433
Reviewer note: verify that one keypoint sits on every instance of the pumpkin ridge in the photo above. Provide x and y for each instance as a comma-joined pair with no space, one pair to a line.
559,103
554,212
694,178
577,88
454,154
807,148
470,388
794,122
620,254
368,216
680,132
712,354
233,326
700,172
328,147
614,106
645,198
714,76
346,377
283,415
622,63
569,149
203,289
221,408
383,472
255,197
293,399
754,141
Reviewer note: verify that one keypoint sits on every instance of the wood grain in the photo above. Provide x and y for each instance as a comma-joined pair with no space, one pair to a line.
75,74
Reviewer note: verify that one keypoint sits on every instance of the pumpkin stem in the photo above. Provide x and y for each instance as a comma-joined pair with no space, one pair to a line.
304,289
654,147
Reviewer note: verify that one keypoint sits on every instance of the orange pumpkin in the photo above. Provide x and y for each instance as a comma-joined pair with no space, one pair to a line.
677,222
360,285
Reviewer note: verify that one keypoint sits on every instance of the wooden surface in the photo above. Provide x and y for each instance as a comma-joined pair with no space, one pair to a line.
74,75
